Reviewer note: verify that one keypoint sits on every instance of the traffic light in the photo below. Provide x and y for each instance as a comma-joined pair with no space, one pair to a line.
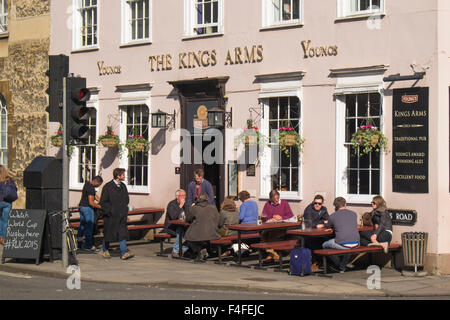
77,114
58,69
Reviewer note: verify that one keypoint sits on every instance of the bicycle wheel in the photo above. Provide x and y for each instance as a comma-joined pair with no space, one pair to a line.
72,244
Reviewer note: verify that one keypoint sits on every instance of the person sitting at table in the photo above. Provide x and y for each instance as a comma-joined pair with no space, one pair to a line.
345,225
248,213
205,223
176,209
197,186
230,215
275,210
315,216
382,234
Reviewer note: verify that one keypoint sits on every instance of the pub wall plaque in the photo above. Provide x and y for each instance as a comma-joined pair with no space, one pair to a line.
410,140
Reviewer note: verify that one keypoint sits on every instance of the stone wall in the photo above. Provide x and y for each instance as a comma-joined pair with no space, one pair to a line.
23,83
31,8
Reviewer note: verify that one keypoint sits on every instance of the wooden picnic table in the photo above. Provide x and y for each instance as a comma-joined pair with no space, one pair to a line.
254,227
315,232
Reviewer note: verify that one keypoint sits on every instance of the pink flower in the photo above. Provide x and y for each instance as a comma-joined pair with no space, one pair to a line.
130,136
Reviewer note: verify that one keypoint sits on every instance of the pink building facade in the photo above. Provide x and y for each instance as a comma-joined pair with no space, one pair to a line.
318,66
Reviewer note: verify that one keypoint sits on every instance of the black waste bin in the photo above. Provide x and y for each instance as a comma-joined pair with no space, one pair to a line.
43,182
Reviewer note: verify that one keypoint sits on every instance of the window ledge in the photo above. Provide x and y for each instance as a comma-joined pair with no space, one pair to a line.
4,35
212,35
87,49
138,191
360,16
282,26
135,43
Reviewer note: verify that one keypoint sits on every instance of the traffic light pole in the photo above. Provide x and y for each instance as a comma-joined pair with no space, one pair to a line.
65,182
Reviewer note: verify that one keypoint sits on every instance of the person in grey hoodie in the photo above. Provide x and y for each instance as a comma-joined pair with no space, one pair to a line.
345,225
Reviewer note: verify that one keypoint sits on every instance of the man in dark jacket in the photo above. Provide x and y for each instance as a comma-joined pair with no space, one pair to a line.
316,214
176,209
205,223
114,202
345,225
197,186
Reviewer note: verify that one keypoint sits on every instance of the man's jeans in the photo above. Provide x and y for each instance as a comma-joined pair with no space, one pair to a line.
340,262
5,208
180,233
86,225
122,244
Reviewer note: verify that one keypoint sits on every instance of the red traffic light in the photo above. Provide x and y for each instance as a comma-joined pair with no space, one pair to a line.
81,95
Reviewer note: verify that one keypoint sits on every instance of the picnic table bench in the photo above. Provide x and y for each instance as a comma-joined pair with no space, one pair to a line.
136,220
286,245
393,247
228,240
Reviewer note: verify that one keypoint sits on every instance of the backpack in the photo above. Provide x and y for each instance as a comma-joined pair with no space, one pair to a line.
9,192
300,261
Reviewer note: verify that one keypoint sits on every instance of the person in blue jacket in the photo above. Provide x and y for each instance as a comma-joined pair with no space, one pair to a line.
197,186
8,194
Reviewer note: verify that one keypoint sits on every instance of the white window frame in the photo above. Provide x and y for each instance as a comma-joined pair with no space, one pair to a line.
344,9
126,27
77,24
278,88
3,131
268,13
190,20
3,16
74,184
133,99
341,149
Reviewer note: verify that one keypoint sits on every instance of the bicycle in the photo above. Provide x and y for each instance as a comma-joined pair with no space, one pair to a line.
72,244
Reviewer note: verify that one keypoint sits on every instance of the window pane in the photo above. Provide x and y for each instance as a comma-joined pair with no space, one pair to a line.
295,107
284,108
216,11
375,159
285,180
364,5
350,105
375,182
276,180
364,182
362,100
276,10
364,161
352,183
296,9
350,129
286,9
294,177
273,108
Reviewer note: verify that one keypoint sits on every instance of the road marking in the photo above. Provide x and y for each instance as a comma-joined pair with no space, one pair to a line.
15,275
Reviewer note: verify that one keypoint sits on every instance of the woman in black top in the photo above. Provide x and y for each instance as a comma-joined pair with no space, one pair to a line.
382,234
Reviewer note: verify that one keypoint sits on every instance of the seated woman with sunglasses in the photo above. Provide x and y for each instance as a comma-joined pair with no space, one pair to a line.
382,234
316,214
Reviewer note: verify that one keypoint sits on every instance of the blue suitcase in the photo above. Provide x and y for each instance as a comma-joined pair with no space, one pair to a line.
300,261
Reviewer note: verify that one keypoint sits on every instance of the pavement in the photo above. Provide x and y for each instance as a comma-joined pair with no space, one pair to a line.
148,269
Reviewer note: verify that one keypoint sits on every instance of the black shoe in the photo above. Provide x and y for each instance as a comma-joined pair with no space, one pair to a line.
333,269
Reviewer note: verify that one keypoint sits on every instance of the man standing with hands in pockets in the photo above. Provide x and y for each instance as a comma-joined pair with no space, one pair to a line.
114,202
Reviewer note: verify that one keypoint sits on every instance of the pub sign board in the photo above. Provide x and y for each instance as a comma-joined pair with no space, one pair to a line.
404,217
410,140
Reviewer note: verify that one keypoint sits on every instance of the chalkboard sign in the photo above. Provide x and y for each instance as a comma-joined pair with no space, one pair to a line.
403,217
24,234
410,140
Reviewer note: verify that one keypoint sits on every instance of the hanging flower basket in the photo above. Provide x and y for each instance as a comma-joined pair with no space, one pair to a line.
368,139
109,139
137,143
289,137
57,139
251,135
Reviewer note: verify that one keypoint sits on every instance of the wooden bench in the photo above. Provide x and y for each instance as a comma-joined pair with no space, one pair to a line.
286,245
162,237
228,240
393,247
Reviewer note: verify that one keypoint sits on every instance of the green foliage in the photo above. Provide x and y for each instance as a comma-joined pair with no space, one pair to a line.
368,139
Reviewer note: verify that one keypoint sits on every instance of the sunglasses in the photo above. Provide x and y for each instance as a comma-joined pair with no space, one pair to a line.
318,203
